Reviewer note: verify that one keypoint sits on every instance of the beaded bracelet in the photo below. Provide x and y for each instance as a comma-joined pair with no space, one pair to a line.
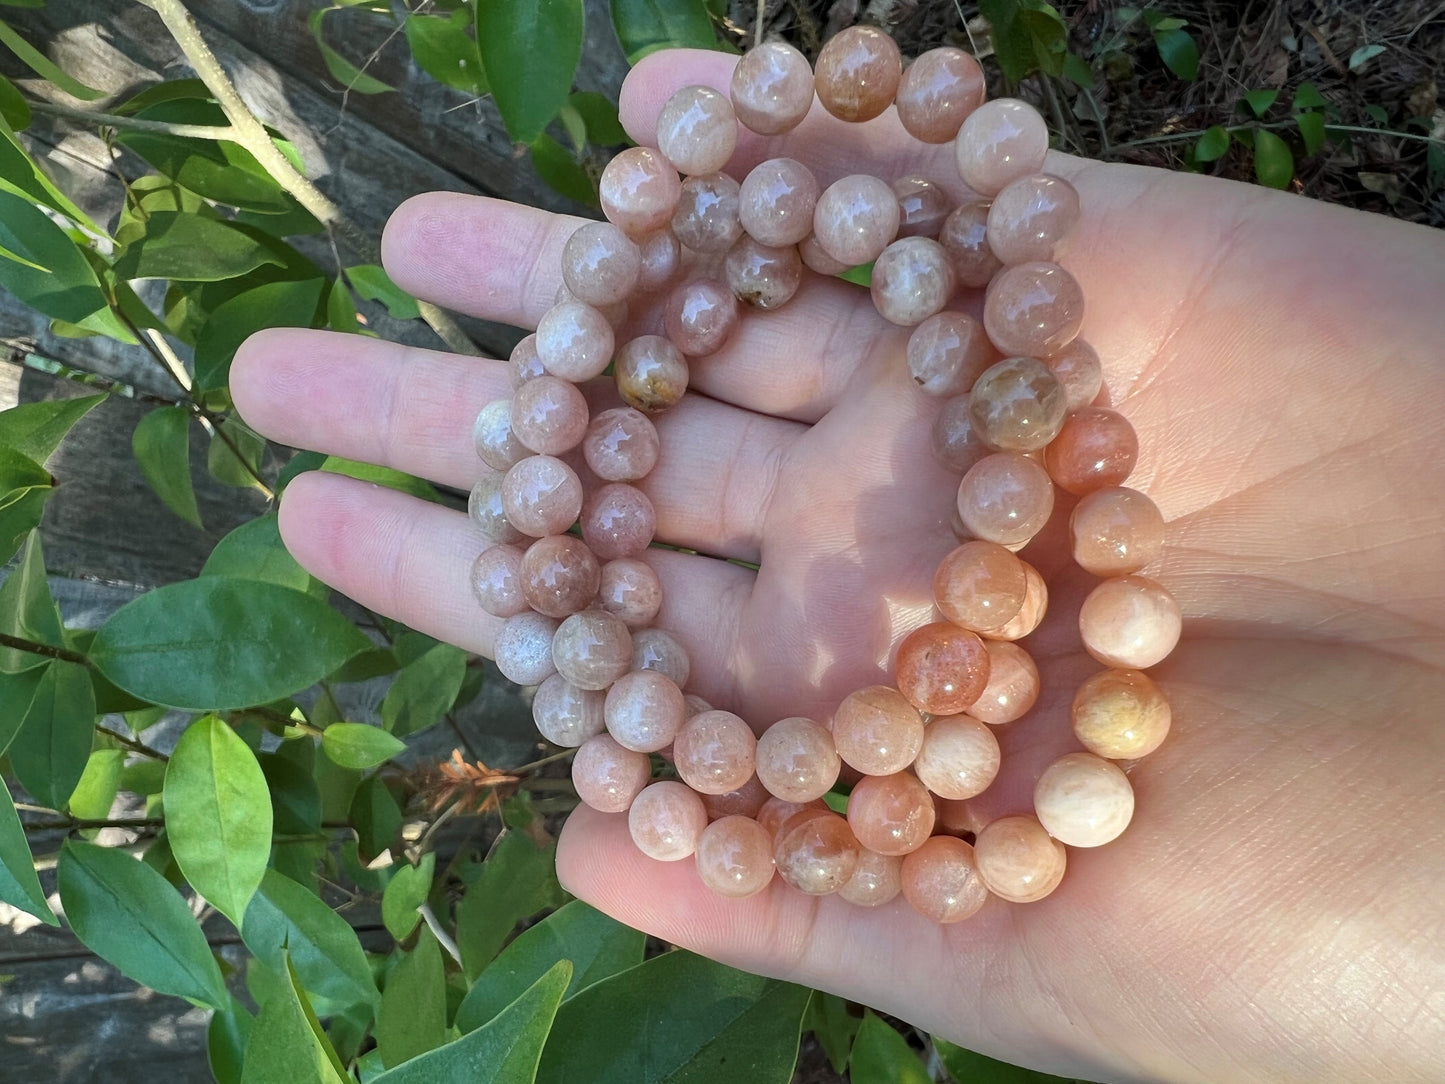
1016,419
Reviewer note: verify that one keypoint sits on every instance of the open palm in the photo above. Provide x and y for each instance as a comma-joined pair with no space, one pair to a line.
1273,913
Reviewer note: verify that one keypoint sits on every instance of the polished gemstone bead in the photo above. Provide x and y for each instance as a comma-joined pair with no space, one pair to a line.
877,731
956,443
574,341
621,445
735,857
817,259
651,373
815,852
629,589
922,206
666,821
1031,613
1115,531
857,73
1033,309
701,316
618,521
1077,367
615,312
644,710
772,88
1013,684
1095,448
999,142
541,495
890,814
523,364
774,812
876,879
1084,800
592,649
796,759
762,276
937,93
1018,860
912,280
566,715
746,801
1130,622
1030,216
560,575
776,202
1017,405
695,705
600,265
607,776
947,352
941,880
714,752
494,438
1121,714
959,758
941,668
707,219
523,648
656,649
549,415
980,586
639,191
661,254
1005,498
964,237
856,218
484,508
697,130
497,581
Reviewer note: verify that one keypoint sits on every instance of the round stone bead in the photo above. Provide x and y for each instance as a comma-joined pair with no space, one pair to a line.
541,495
1115,531
700,316
1017,405
964,237
941,668
621,445
947,352
615,313
661,254
523,364
600,265
666,821
815,852
492,435
523,648
1121,714
922,206
817,259
959,758
937,93
735,857
941,880
762,276
796,760
1018,860
559,575
772,88
696,705
707,217
746,801
1030,217
656,649
618,521
1084,800
574,341
979,586
1130,622
877,731
497,581
714,752
651,373
697,130
774,813
890,814
1013,685
566,715
1033,309
1031,613
776,202
856,219
857,73
999,142
549,415
644,710
592,649
876,879
1005,498
956,443
912,280
639,191
630,590
607,776
484,508
1096,447
1077,368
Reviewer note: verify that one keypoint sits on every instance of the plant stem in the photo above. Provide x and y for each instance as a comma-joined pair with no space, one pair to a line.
133,744
19,643
1180,137
134,124
444,939
82,823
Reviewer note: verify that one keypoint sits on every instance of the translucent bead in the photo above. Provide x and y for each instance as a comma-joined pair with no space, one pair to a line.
607,776
666,821
651,373
621,445
639,191
999,142
922,207
696,705
549,415
941,880
1005,498
856,218
956,443
618,521
600,265
701,316
574,341
912,279
816,853
938,92
497,581
774,813
735,857
629,589
876,879
1031,613
890,814
1130,622
776,202
1116,531
655,649
523,648
484,508
1076,365
523,364
541,495
661,254
877,731
964,237
566,715
1096,447
697,130
947,352
941,668
772,88
615,312
1017,859
714,752
762,276
796,760
559,575
817,259
1121,714
1030,217
1084,800
980,586
493,437
1033,309
1013,685
959,758
707,219
857,73
1017,405
644,710
592,649
745,801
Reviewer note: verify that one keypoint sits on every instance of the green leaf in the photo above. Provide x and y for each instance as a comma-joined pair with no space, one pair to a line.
720,1025
424,690
50,752
295,797
192,248
1363,55
1259,101
644,26
1212,144
219,170
221,643
595,945
559,167
20,173
17,690
573,124
341,309
413,1016
1308,96
382,476
1078,72
518,879
27,609
862,275
1311,130
13,107
1178,50
445,51
287,1043
833,1026
530,50
238,466
254,551
599,114
162,446
226,1038
882,1056
99,783
373,283
67,289
20,513
405,892
19,884
129,915
1273,163
967,1068
375,815
342,70
359,745
218,815
42,66
35,430
275,304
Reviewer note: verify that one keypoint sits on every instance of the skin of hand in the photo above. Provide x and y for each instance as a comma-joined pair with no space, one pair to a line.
1275,911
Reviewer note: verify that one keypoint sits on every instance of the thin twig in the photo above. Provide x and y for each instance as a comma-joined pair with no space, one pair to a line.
444,939
19,643
1180,137
135,124
82,823
133,744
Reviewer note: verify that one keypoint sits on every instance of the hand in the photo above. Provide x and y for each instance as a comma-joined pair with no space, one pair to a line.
1274,911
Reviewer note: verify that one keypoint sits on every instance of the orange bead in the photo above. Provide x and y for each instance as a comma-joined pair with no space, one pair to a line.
942,668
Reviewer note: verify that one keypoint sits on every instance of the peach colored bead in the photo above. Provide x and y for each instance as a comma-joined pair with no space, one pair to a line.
964,237
618,521
947,352
877,731
655,649
1084,800
492,435
856,218
559,575
912,279
523,364
1130,622
776,202
600,264
666,821
639,191
630,590
1077,368
762,276
956,444
701,316
697,130
696,705
651,373
714,752
1096,447
1030,217
621,445
959,758
941,668
523,648
1033,309
615,312
1005,498
857,73
1031,613
890,814
876,879
1121,714
746,801
541,495
485,509
922,207
817,258
574,341
980,585
774,812
661,254
592,649
941,880
1013,685
706,219
999,142
1116,531
497,581
735,857
796,760
816,853
937,93
607,776
644,710
566,715
549,415
1018,860
772,88
957,817
1017,405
